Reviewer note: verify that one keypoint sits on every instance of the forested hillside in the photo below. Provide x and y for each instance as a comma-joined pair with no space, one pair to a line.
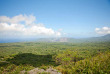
65,57
104,38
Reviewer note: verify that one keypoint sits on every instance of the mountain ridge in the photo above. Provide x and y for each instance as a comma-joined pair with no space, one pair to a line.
104,38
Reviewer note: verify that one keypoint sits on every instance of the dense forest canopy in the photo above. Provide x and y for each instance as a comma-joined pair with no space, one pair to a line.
62,56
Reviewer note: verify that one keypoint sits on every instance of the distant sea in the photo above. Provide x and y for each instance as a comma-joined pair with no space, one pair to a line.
16,40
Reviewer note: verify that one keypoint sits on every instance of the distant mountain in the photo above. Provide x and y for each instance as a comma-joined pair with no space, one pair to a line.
104,38
73,40
64,39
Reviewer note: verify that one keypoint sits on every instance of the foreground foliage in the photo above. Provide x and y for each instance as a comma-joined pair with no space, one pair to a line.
98,64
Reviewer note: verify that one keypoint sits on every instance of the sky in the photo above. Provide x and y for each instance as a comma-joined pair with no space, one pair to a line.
54,18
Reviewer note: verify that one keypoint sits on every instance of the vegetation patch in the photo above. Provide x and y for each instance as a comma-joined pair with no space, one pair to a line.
66,58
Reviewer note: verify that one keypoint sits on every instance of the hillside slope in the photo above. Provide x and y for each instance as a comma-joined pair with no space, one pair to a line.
65,39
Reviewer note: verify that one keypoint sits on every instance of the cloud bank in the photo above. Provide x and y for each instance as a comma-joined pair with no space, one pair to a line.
103,30
17,19
24,26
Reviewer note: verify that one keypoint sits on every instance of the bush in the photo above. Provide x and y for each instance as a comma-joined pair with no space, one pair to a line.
96,65
67,57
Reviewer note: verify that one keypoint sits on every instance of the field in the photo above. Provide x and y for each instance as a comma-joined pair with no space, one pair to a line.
67,58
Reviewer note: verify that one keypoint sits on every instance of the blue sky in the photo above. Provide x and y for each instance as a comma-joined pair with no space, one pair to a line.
55,18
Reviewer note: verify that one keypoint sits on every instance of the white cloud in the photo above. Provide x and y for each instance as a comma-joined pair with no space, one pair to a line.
14,27
103,30
18,19
97,29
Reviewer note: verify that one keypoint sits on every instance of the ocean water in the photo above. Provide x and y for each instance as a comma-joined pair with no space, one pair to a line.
16,40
